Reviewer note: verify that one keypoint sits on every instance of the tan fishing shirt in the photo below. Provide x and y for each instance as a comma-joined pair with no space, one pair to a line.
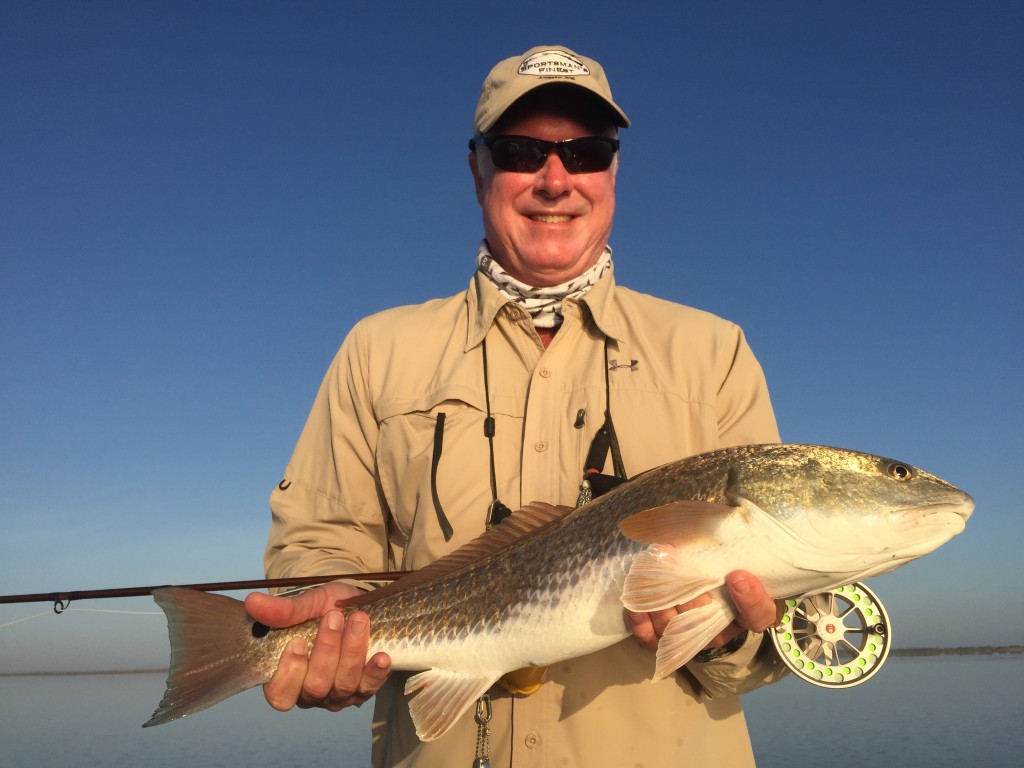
359,495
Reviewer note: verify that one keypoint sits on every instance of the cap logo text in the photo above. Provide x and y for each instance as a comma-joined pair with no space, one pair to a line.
553,64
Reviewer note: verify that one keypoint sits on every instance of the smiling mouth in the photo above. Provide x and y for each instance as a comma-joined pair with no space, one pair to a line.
550,218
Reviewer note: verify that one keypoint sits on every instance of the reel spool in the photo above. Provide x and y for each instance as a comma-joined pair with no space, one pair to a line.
835,639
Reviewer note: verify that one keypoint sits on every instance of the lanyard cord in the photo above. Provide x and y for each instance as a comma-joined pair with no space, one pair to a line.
497,511
613,441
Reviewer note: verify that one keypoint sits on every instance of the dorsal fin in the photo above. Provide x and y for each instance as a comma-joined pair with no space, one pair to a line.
516,526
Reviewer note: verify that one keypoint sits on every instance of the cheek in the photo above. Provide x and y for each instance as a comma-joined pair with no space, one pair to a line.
497,197
599,190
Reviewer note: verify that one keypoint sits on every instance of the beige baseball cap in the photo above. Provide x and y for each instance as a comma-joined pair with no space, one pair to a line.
513,78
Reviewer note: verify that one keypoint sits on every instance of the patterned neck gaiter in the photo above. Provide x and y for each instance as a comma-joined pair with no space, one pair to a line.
543,304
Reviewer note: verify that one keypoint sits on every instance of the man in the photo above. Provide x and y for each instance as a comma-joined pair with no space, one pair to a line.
394,468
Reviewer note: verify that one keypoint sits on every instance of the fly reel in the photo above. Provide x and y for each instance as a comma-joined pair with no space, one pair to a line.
835,639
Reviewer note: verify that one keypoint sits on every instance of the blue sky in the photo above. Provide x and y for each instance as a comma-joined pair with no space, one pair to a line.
197,200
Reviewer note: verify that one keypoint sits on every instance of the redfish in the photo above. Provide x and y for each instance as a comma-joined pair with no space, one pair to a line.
550,583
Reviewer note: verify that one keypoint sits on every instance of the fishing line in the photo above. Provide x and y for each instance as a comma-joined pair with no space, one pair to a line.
111,610
80,610
25,618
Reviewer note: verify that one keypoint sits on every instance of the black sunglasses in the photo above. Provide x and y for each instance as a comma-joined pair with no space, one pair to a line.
524,154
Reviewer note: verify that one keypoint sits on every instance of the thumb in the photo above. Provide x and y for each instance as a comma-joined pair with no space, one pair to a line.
756,608
287,611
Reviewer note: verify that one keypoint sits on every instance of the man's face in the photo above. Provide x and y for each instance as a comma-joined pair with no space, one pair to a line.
550,226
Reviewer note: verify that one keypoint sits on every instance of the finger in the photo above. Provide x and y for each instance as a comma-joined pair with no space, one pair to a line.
323,661
352,655
284,688
660,619
376,673
642,627
755,607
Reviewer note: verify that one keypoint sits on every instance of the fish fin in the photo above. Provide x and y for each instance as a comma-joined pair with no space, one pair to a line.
692,521
688,633
440,696
495,540
208,635
659,578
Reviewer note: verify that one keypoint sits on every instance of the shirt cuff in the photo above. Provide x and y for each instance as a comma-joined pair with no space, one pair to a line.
732,646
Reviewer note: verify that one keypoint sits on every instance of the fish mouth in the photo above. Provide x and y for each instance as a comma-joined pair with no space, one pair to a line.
963,508
945,515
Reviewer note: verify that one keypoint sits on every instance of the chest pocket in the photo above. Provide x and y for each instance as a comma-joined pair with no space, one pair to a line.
433,468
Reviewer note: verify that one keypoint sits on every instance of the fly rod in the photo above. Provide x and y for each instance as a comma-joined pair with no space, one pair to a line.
61,600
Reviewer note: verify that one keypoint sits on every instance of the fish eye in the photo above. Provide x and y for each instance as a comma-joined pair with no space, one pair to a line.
900,472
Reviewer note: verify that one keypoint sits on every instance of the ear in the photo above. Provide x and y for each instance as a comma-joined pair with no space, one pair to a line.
478,182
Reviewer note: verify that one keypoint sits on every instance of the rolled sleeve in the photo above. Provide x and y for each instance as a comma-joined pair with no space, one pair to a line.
752,665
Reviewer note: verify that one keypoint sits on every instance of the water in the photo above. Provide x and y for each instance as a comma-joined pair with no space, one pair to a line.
930,711
95,720
916,711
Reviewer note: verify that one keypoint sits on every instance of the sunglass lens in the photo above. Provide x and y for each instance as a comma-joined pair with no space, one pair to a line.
588,155
520,155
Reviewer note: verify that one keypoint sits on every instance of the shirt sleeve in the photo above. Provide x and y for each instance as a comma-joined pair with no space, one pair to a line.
745,417
327,515
752,665
744,409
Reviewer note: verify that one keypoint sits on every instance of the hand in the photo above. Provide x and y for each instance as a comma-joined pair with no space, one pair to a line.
336,673
756,611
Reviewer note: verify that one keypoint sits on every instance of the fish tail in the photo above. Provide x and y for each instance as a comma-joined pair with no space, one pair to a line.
209,634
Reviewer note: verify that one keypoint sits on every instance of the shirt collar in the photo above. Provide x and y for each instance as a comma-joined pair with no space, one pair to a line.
604,309
484,301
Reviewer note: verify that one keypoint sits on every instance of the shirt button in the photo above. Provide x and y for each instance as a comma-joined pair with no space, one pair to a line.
545,373
540,446
532,741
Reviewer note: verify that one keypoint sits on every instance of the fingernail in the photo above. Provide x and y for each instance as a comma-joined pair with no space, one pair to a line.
741,585
357,626
334,621
298,647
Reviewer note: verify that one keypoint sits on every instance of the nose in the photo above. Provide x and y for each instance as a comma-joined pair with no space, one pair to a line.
552,180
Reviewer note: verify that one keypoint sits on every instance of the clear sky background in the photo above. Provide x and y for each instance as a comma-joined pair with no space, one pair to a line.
198,200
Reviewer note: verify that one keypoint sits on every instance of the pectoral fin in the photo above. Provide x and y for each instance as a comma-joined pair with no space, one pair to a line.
693,522
688,633
440,696
659,579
